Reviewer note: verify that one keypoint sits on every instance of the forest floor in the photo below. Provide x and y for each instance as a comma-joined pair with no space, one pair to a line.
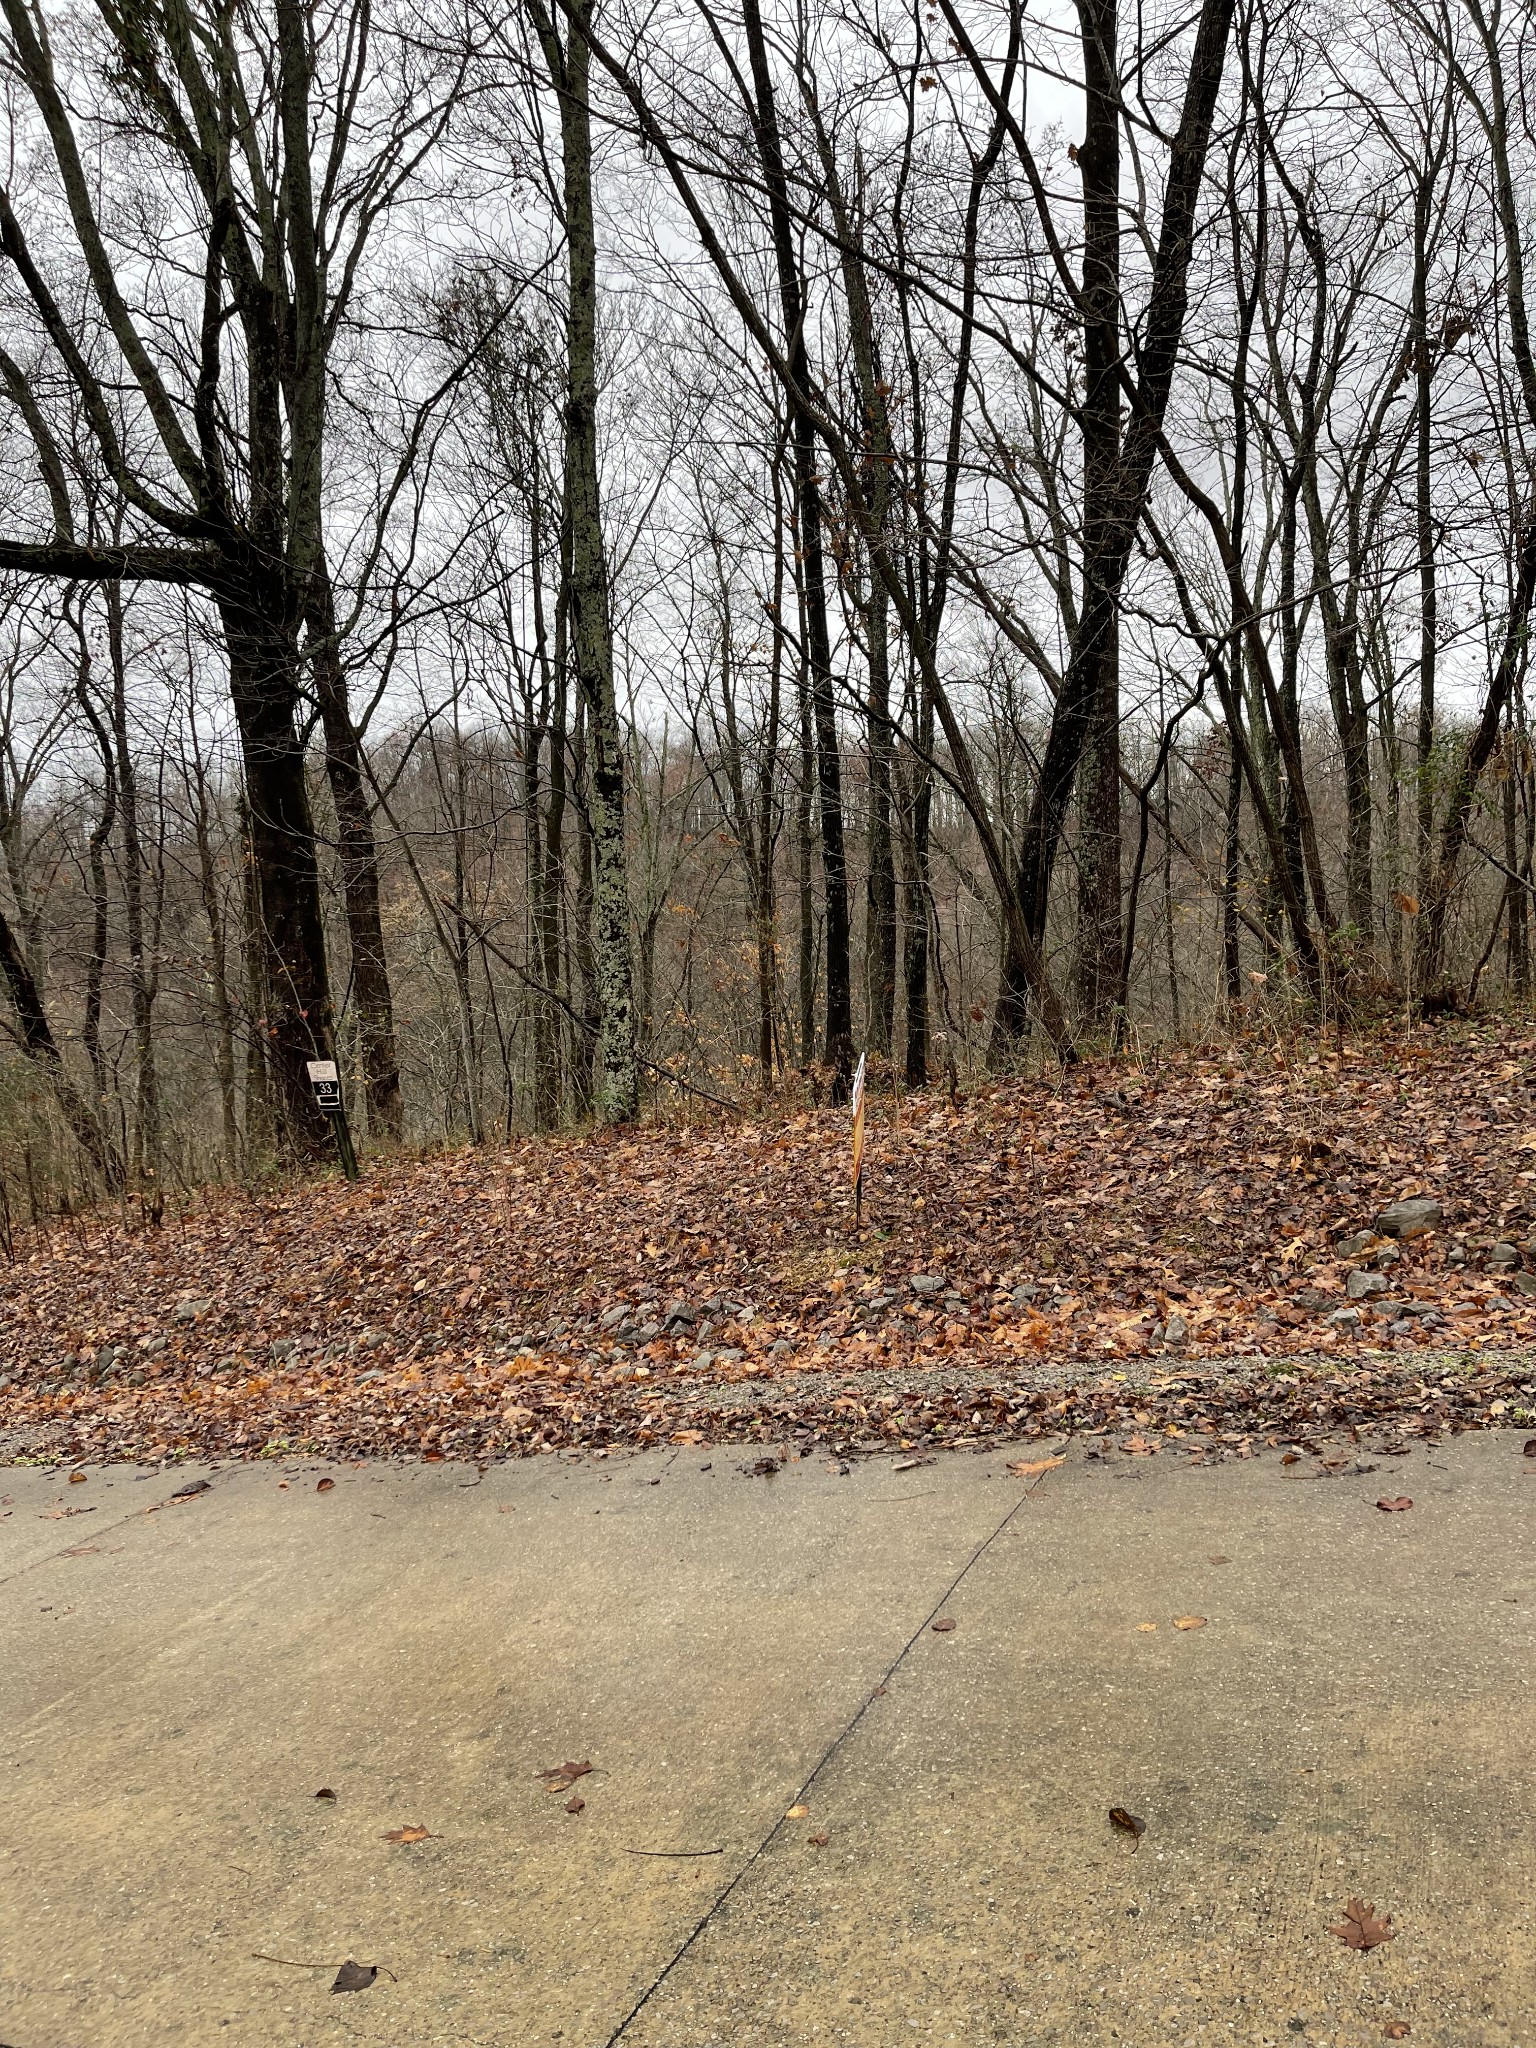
1173,1254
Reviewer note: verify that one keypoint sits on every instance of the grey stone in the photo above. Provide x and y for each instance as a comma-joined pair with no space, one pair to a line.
281,1348
1502,1255
612,1317
1021,1297
1524,1283
189,1311
370,1340
1346,1318
1177,1331
1352,1247
926,1283
1410,1218
1360,1284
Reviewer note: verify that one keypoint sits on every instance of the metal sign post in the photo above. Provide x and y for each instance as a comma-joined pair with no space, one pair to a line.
326,1082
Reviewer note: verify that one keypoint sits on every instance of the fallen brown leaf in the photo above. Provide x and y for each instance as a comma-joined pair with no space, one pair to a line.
1190,1621
818,1841
325,1792
355,1976
560,1777
1218,1560
410,1834
324,1485
1290,1458
1146,1628
1128,1823
1396,2030
1361,1926
797,1813
77,1478
1395,1507
1031,1468
943,1626
575,1804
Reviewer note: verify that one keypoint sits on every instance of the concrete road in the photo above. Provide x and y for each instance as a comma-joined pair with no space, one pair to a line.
178,1680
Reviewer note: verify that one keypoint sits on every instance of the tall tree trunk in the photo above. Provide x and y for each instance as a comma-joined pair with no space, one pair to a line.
357,851
146,1132
1098,787
263,662
42,1048
617,1067
829,774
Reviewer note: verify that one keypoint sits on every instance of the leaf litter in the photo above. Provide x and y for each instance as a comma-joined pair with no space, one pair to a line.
1177,1290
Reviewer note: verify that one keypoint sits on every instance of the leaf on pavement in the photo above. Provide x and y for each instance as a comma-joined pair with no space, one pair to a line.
1189,1621
559,1777
1031,1468
818,1841
325,1792
1128,1823
797,1813
1362,1927
943,1626
409,1834
1395,1507
324,1485
1396,2030
354,1976
575,1804
1146,1628
77,1479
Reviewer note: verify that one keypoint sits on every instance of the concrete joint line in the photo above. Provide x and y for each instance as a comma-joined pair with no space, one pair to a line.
819,1766
107,1529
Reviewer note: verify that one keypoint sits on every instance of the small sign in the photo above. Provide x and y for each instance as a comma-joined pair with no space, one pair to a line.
858,1139
326,1082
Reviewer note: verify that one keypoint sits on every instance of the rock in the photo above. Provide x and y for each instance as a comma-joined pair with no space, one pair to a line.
680,1316
1410,1218
612,1317
1346,1318
189,1311
107,1357
370,1340
1352,1247
1524,1283
280,1348
1360,1284
1502,1256
926,1283
1021,1297
1177,1331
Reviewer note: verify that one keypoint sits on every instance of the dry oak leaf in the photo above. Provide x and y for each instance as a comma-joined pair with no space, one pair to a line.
1031,1468
1395,1507
1396,2030
559,1777
1128,1823
410,1834
1189,1621
1361,1927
